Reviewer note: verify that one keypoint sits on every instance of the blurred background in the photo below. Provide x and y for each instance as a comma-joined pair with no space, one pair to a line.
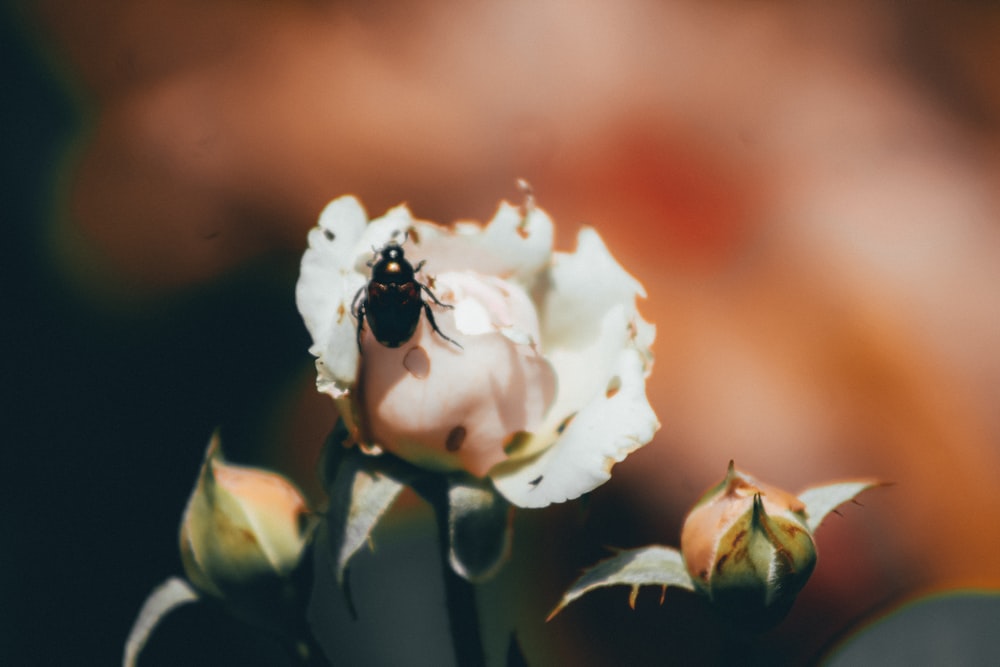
809,193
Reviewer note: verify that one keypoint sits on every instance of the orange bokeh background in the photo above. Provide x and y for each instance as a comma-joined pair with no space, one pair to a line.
808,193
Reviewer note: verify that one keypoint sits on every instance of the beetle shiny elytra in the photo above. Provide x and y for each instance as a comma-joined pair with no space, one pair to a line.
391,301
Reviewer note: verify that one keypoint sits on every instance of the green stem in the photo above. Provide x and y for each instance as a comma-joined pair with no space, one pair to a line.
300,639
460,595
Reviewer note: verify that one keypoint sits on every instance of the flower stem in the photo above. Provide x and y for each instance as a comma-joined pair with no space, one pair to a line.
460,594
300,639
463,618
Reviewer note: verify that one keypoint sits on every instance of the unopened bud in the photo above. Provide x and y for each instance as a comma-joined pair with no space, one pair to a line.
748,549
242,533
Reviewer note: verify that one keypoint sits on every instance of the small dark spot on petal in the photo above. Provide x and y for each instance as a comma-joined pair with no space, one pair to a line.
613,386
562,426
341,311
329,235
739,537
536,481
516,442
413,234
455,439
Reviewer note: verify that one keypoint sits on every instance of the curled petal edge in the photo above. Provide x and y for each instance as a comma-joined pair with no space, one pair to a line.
604,432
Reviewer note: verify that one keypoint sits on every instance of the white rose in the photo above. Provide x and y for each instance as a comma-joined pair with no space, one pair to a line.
546,392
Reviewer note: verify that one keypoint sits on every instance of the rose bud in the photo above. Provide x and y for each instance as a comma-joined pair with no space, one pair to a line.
242,535
748,548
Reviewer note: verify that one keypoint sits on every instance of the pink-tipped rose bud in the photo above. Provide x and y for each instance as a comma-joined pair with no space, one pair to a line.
747,547
242,535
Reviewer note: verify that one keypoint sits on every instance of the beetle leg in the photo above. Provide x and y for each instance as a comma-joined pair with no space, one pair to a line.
355,305
419,265
361,323
433,297
430,318
358,310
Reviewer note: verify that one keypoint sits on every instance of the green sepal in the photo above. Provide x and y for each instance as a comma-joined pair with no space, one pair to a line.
168,596
479,528
646,566
821,500
360,492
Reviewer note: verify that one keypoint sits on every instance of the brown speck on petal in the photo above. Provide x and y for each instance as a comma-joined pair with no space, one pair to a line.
562,425
329,235
455,439
418,364
536,481
613,386
515,442
341,311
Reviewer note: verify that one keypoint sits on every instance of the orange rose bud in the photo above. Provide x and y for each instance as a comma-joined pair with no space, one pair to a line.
747,548
242,535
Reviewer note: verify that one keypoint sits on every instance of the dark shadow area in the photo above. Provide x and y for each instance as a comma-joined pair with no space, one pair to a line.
106,412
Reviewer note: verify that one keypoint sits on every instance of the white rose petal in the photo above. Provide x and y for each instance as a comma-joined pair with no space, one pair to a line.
327,284
511,246
611,426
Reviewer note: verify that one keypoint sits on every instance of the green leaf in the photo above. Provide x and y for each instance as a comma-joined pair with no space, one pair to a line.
821,500
646,566
362,490
169,595
479,528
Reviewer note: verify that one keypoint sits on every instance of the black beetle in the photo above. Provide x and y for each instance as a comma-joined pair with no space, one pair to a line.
391,301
